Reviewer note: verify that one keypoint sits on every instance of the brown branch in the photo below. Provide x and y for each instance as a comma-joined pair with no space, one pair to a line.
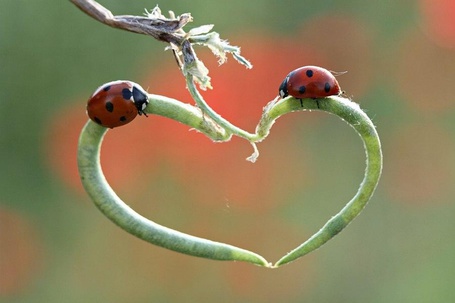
155,24
169,30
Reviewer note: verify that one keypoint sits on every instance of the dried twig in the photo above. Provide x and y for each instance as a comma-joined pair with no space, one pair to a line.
170,30
154,24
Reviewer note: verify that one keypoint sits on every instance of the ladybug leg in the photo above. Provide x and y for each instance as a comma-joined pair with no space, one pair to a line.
317,102
301,102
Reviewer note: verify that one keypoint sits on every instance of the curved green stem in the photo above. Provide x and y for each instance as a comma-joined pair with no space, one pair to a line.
219,129
214,115
186,114
354,116
121,214
228,126
341,107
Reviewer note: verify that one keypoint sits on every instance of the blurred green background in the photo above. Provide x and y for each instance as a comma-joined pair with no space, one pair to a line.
55,246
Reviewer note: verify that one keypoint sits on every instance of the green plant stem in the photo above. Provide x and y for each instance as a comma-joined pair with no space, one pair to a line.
116,210
186,114
225,124
228,126
121,214
354,116
344,109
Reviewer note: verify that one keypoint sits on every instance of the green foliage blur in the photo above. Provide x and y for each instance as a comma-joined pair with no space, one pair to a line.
55,246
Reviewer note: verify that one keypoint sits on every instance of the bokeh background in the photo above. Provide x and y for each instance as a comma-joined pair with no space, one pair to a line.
55,246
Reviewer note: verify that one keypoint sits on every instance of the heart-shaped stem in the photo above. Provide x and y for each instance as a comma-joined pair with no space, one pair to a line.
344,109
121,214
116,210
354,116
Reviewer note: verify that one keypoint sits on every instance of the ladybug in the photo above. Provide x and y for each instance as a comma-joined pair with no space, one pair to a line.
117,103
309,82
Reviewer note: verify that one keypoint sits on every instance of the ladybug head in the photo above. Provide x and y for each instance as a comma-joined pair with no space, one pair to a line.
283,90
140,99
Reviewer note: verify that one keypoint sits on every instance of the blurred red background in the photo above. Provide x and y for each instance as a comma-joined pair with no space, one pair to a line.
399,59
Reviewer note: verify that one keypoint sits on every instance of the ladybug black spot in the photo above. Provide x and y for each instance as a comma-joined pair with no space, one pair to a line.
106,88
97,120
309,73
327,87
123,118
126,94
302,89
109,106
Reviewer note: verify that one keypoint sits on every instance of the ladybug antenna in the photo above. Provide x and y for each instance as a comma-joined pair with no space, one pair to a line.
336,74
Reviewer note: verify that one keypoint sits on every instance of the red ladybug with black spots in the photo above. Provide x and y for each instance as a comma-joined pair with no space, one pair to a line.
309,82
117,103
